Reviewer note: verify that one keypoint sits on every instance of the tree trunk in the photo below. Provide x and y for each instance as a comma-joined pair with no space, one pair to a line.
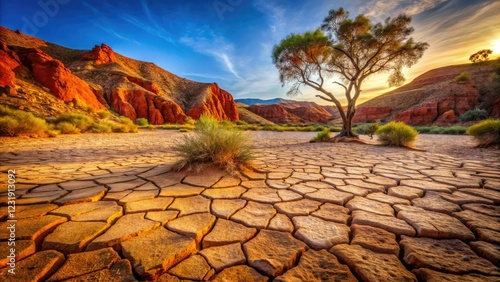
347,127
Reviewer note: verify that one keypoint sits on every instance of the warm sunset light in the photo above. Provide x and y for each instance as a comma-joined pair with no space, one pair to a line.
495,46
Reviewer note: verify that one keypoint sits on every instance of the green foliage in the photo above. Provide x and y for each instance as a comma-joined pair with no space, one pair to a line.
367,128
323,135
16,123
240,122
397,134
102,127
451,130
151,127
67,128
474,115
80,121
141,122
351,48
190,121
214,144
486,132
126,125
464,77
103,114
480,56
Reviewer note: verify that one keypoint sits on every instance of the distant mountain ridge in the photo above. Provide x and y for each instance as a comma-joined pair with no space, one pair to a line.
49,79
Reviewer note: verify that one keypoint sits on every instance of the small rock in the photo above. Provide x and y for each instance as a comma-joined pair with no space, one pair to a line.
375,239
227,232
255,215
190,205
195,225
224,256
72,237
281,222
225,208
319,233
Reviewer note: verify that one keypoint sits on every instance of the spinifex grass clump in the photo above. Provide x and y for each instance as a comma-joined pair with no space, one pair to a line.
368,128
141,122
487,133
16,123
81,121
322,135
397,134
214,144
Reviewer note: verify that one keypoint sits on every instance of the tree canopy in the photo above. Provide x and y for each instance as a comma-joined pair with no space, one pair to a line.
348,49
480,56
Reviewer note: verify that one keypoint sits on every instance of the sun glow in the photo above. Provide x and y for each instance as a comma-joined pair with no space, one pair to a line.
495,46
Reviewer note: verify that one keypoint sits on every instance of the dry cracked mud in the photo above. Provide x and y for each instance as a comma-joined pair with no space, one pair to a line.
110,208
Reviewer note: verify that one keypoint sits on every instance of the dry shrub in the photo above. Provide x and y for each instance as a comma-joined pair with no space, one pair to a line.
214,144
397,134
487,133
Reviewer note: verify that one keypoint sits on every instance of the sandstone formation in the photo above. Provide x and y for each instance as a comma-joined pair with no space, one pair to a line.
371,114
100,55
102,78
9,62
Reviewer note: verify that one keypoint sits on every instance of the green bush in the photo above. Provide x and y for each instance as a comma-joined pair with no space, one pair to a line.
151,127
190,121
464,77
474,115
323,135
141,122
81,121
126,125
397,134
102,127
214,144
16,123
367,128
67,128
486,132
103,114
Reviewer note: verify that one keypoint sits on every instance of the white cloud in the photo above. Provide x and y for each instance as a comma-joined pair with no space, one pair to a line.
205,41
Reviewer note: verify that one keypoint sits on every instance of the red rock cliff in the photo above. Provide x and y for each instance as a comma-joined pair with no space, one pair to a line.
9,61
100,55
275,113
370,114
136,103
62,83
217,102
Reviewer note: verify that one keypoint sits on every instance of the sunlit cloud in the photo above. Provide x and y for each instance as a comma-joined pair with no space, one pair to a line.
381,9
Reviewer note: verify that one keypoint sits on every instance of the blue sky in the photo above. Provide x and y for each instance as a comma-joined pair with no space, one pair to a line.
230,41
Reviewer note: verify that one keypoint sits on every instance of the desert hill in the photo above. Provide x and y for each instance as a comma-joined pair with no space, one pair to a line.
289,111
49,79
434,97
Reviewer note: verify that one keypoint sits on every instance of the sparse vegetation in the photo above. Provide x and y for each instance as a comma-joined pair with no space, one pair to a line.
141,122
474,115
151,127
397,134
323,135
81,121
67,128
368,129
464,77
125,125
102,127
486,132
214,144
17,123
103,114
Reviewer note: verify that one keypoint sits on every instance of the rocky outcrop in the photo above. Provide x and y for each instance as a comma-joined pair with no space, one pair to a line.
447,118
136,104
62,83
423,114
275,113
100,55
146,84
371,114
216,102
8,63
454,100
315,114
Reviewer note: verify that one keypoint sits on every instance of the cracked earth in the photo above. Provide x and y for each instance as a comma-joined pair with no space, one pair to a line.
109,208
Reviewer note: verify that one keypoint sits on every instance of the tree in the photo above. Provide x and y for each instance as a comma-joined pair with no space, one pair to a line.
480,56
352,50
